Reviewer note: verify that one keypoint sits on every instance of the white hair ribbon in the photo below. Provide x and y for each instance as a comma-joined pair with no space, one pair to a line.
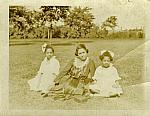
111,53
44,47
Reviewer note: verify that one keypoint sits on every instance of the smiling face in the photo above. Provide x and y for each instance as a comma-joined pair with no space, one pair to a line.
49,53
106,62
82,54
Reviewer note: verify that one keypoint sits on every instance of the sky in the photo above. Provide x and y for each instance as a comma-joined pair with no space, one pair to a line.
130,13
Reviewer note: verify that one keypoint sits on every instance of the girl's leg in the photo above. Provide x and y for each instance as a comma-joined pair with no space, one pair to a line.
44,93
35,83
45,90
118,88
68,92
86,91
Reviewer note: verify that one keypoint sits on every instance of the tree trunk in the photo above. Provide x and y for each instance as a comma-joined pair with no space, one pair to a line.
48,33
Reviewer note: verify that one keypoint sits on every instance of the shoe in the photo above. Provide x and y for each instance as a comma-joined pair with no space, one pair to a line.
38,90
42,93
114,95
45,95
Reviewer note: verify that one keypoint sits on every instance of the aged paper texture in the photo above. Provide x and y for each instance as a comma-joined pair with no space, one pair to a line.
121,26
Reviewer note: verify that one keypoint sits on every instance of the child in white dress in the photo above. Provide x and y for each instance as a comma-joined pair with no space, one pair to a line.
106,77
48,71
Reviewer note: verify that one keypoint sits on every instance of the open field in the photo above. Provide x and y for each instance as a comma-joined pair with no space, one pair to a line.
25,61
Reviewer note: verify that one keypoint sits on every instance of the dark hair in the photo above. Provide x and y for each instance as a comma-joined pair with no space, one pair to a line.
106,53
49,47
80,46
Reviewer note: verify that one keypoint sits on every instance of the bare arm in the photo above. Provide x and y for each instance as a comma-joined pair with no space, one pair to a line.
92,68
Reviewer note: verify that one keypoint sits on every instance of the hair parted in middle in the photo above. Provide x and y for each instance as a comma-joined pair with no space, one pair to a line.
81,46
49,47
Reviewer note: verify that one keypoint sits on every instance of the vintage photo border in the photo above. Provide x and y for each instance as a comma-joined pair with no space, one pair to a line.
4,62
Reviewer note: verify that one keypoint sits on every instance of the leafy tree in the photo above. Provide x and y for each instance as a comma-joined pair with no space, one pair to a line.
80,21
17,21
16,10
110,22
52,14
94,32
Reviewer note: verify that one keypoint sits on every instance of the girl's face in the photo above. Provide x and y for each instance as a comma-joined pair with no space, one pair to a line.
82,54
106,62
49,53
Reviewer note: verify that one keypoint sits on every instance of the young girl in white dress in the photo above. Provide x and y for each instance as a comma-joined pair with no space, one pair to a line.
48,71
106,77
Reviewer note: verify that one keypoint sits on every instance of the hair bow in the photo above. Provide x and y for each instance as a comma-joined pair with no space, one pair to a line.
111,53
44,47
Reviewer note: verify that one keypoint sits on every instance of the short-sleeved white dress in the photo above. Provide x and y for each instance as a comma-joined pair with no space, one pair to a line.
106,81
48,71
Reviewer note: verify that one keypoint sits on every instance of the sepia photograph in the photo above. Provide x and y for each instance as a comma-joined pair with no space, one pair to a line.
85,56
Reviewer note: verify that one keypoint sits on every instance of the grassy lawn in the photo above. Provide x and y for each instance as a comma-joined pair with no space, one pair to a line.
24,62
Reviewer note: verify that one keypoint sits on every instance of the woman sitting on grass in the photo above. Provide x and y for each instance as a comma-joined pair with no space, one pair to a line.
106,77
74,80
48,71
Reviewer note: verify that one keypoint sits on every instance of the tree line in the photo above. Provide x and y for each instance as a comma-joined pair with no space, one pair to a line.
62,22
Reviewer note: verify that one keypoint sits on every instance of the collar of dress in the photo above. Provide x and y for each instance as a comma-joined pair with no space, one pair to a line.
111,65
53,57
80,65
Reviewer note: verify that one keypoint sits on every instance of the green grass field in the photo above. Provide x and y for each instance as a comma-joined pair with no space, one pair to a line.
24,62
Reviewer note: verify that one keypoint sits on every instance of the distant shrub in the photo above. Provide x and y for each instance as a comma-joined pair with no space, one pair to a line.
126,35
42,32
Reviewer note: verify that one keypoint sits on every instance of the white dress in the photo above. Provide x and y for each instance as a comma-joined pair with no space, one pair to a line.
48,71
106,81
